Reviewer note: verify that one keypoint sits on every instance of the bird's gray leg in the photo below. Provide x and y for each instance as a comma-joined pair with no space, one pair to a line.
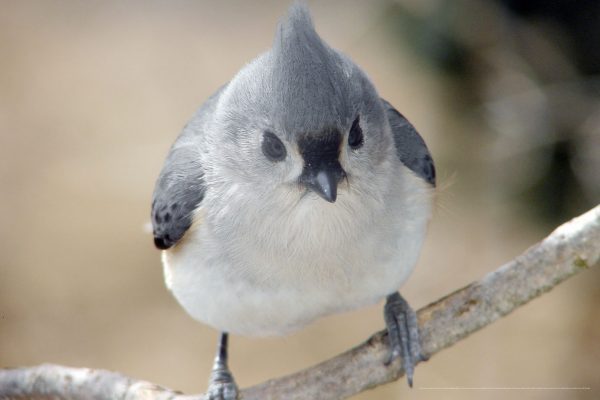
403,334
221,385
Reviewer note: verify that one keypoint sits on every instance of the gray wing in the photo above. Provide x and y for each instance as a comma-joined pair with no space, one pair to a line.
180,187
410,146
178,192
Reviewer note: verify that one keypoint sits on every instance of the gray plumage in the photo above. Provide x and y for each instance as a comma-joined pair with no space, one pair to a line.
180,186
410,146
307,75
294,192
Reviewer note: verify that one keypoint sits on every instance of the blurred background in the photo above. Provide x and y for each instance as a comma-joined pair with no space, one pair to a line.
93,93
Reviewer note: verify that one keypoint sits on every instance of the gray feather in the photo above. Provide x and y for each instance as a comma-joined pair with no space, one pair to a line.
180,187
410,146
307,75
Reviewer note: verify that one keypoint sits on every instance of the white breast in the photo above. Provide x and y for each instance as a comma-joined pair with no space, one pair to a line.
274,272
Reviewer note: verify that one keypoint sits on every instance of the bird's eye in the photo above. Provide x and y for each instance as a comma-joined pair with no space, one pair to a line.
272,147
355,138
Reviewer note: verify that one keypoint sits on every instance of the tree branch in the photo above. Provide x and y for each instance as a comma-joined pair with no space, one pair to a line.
571,248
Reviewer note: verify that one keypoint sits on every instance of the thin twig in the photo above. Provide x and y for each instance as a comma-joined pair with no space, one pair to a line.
571,248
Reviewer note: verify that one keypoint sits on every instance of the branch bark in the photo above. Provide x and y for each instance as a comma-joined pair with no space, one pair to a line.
571,248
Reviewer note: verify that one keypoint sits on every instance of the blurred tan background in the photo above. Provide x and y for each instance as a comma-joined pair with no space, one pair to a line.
92,94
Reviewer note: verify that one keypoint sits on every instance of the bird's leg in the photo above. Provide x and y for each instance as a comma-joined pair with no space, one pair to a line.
221,385
403,334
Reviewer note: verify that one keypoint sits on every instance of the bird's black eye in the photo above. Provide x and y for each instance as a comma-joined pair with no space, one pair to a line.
355,138
272,147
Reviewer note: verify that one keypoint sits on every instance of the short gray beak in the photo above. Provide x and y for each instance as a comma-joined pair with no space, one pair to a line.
324,181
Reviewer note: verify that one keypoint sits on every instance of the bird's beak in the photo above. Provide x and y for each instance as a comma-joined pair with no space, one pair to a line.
324,179
322,170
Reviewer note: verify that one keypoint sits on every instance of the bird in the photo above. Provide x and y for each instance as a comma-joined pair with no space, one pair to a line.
294,192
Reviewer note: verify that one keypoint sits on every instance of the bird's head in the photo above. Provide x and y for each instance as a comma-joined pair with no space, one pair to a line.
303,120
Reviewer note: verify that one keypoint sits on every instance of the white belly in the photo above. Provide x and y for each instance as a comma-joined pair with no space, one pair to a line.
240,287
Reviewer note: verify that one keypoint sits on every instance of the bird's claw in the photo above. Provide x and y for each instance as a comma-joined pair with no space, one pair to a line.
403,335
222,391
221,385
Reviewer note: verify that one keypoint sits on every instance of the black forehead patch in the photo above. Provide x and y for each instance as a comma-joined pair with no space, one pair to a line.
321,145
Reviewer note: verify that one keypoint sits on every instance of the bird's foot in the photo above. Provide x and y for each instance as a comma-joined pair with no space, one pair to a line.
403,334
222,386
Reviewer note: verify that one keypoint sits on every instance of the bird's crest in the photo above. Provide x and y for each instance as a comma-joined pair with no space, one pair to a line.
307,74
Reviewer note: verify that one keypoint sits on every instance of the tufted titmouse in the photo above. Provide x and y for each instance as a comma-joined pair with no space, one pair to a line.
294,192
